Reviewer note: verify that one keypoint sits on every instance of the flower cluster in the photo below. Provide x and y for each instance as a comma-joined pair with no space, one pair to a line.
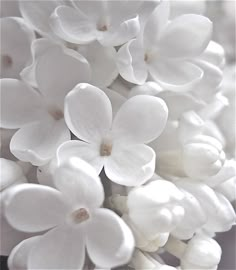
118,135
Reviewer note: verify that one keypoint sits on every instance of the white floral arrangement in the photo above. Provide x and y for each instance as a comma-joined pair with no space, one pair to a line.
117,134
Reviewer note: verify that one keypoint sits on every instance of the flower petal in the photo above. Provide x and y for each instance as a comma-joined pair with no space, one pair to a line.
34,208
74,178
72,25
102,63
36,14
38,48
110,242
155,24
130,62
123,33
37,142
19,255
175,75
186,36
116,100
27,108
88,152
16,38
88,125
58,71
131,166
61,248
10,173
141,119
10,237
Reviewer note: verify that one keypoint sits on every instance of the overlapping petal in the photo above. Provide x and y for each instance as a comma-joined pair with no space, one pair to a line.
141,119
186,36
57,71
79,182
88,125
109,241
28,107
34,208
130,166
37,142
60,248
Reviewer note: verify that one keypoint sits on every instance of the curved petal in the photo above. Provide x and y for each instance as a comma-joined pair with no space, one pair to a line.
34,208
110,242
10,237
60,248
155,25
28,107
74,178
130,62
10,173
88,152
20,254
72,25
131,166
38,48
88,125
36,14
175,75
141,119
16,38
186,36
123,33
57,71
102,61
37,142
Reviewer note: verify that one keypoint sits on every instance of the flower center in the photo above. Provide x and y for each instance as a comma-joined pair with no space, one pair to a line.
102,28
6,61
56,113
80,215
146,57
105,148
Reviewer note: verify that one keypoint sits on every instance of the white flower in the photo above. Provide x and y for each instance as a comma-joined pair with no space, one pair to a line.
73,218
155,208
200,253
16,38
117,145
39,114
11,174
112,23
165,50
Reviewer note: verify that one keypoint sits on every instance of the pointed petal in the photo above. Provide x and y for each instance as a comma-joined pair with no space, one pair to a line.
131,166
88,125
141,119
88,152
34,208
130,62
37,142
156,24
60,248
27,108
72,25
109,242
57,71
74,178
123,33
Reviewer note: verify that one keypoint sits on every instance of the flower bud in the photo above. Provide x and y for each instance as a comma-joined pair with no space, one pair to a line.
202,156
156,207
201,252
